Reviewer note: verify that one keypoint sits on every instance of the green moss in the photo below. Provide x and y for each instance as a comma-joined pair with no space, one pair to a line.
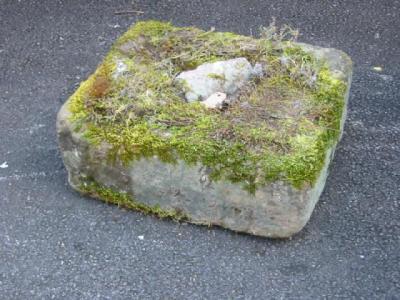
152,29
288,122
216,76
93,189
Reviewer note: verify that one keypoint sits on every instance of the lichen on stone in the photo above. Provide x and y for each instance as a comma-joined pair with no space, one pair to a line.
278,129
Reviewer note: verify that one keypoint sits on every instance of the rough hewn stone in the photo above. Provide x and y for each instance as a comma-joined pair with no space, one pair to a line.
275,210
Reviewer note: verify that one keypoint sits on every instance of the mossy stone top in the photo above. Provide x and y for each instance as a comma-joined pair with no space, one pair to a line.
278,129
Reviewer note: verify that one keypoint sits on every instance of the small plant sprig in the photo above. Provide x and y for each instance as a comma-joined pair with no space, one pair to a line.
278,35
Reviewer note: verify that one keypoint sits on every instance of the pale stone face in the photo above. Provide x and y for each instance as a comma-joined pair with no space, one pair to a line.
227,76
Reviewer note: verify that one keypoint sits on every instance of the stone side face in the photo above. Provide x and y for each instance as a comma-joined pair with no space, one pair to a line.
276,210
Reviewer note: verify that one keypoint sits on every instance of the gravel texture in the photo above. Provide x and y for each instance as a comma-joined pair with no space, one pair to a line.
56,244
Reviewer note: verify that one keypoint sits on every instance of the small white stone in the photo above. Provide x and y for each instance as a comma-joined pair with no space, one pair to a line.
141,237
4,165
216,100
377,69
121,67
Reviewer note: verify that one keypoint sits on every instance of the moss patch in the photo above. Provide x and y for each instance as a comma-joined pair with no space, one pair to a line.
110,195
279,129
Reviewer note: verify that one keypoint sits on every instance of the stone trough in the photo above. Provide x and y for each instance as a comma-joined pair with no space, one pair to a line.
183,185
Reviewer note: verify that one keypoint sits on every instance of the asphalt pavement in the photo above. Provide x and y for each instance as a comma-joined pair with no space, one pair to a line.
56,244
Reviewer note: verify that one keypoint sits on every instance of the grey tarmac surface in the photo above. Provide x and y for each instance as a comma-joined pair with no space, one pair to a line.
56,244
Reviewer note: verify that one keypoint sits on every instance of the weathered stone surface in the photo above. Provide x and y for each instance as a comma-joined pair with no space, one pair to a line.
222,76
275,210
